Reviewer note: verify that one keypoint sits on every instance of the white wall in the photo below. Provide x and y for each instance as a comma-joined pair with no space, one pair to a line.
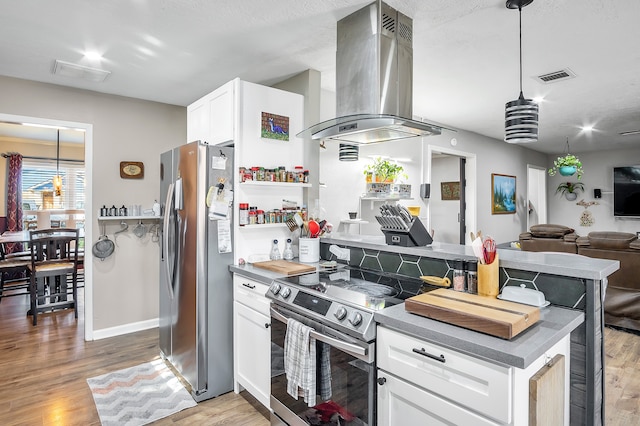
598,173
125,285
345,180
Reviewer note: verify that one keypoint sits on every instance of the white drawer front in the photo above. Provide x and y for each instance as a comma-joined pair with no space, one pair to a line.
467,381
401,403
251,293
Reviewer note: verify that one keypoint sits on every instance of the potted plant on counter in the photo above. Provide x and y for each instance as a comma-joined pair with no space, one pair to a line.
567,165
570,190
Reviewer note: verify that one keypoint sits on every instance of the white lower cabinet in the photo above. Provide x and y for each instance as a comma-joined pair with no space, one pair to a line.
401,403
251,338
421,382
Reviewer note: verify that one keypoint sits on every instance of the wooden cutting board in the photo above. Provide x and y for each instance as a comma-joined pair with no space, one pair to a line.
546,394
488,315
285,267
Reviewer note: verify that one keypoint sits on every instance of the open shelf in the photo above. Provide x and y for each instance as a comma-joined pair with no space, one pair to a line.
269,183
129,217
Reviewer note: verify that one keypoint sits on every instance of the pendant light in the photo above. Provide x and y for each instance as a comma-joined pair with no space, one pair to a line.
521,115
57,179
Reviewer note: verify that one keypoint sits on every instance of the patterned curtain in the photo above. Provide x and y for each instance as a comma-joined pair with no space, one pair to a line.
14,199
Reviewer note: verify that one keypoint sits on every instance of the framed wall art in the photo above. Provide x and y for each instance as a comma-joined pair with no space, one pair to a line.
503,194
274,126
450,190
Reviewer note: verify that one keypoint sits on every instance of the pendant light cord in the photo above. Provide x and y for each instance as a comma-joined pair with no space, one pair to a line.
520,20
58,154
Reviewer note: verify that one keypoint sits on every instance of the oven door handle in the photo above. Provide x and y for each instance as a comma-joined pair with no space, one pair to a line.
332,341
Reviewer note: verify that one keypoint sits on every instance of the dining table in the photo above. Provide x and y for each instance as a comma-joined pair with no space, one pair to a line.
9,237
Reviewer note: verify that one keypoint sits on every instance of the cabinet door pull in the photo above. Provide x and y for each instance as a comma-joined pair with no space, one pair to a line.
267,325
423,352
382,381
251,286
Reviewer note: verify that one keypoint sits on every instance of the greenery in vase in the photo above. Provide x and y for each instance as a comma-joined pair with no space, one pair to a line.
384,170
568,160
569,187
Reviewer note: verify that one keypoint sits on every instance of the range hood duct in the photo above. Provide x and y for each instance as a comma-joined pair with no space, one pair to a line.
374,80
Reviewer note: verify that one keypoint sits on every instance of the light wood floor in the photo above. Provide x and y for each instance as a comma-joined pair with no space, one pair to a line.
43,372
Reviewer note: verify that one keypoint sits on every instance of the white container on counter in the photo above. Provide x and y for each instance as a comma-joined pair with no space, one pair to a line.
309,251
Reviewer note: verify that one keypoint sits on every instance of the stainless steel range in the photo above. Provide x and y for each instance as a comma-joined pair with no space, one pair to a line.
339,306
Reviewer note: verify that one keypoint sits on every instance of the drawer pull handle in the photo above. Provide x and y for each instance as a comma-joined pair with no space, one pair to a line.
423,352
382,381
251,286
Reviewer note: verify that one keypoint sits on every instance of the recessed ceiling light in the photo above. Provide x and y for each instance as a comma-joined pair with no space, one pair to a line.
587,128
538,99
92,55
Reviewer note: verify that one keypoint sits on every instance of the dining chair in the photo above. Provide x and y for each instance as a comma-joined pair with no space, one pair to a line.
54,256
13,272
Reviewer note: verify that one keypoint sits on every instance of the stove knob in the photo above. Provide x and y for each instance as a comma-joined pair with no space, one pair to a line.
285,292
341,313
356,320
275,288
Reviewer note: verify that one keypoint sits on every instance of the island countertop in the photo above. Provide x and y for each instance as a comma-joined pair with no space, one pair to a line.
567,264
554,324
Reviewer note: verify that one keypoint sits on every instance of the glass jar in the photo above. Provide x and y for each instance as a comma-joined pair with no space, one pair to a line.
260,217
472,276
459,275
275,251
287,254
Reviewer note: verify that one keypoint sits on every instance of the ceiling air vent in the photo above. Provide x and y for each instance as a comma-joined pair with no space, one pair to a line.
68,69
552,77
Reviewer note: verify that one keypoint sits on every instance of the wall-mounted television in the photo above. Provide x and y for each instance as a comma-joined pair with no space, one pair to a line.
626,191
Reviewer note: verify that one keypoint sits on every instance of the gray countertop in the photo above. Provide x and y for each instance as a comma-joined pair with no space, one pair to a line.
570,265
522,350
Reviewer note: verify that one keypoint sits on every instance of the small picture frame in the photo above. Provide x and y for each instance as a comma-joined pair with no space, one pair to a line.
131,169
450,190
274,126
503,194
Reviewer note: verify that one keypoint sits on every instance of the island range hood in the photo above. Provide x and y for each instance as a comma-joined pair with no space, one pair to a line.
374,80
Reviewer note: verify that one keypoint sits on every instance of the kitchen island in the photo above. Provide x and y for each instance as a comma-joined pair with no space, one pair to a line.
567,280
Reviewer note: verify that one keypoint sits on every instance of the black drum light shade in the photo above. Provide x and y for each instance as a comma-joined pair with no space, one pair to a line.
521,115
348,152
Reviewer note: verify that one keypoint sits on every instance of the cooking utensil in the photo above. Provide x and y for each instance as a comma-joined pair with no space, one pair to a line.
294,222
123,227
104,247
139,230
477,247
314,229
489,250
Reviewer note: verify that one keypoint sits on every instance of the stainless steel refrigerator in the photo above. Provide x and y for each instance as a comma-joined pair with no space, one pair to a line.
196,295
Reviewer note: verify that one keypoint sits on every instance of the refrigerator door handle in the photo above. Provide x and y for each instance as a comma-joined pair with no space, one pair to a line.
168,212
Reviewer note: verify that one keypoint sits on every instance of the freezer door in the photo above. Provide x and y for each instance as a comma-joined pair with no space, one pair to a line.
189,337
165,291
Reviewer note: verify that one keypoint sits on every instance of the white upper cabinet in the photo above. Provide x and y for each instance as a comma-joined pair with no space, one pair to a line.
212,117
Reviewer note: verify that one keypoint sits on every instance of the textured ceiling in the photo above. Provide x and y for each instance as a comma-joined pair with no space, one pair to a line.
465,55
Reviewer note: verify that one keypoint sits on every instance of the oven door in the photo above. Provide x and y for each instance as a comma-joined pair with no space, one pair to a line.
345,376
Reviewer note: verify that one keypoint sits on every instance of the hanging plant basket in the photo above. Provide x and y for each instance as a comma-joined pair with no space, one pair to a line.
567,170
570,190
567,165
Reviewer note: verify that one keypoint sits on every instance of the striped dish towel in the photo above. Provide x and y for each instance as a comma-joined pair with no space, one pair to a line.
300,361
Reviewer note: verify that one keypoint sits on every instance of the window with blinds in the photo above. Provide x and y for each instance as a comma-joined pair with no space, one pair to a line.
37,185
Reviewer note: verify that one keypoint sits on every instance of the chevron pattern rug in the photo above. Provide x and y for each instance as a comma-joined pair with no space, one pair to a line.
138,395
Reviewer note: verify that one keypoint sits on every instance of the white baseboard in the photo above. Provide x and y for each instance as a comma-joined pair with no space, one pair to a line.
125,329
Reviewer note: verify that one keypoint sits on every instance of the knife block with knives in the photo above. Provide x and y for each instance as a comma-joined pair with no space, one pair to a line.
402,229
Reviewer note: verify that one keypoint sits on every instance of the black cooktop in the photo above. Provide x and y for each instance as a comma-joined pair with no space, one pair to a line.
393,288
